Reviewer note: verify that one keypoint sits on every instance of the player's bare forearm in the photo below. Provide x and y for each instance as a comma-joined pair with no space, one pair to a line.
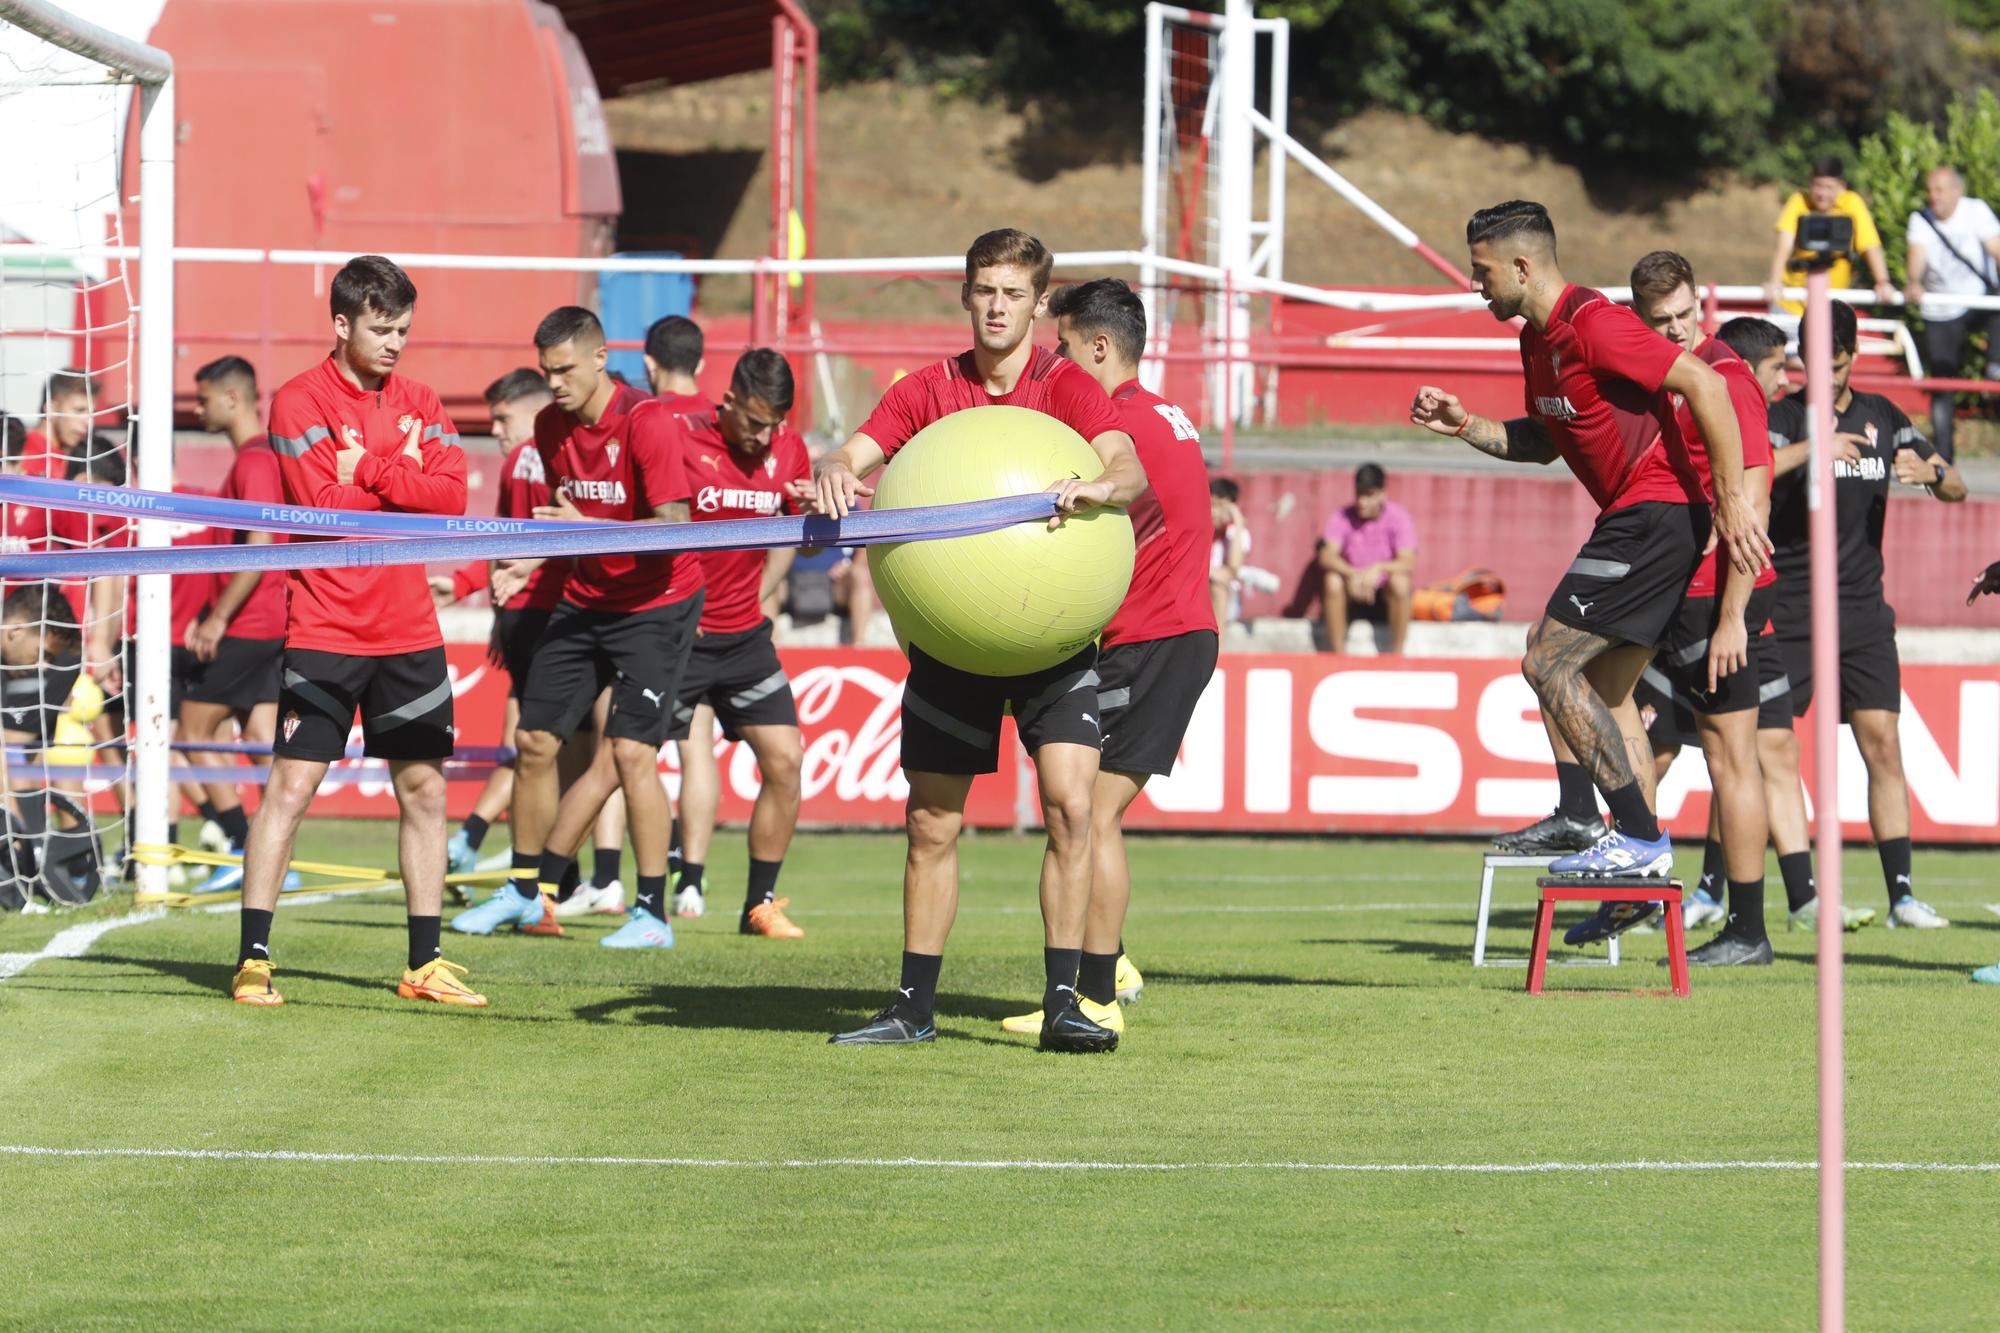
236,592
1708,400
1951,489
777,567
676,512
1517,440
1790,457
1122,469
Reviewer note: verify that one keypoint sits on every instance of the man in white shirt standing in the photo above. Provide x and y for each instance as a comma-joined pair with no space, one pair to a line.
1953,245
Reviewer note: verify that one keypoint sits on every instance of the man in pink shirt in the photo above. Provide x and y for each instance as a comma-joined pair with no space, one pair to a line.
1366,554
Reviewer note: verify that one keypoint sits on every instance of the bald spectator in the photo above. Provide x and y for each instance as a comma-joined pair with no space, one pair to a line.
1826,194
1368,553
1953,243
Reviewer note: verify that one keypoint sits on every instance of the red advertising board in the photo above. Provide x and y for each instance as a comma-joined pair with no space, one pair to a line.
1303,744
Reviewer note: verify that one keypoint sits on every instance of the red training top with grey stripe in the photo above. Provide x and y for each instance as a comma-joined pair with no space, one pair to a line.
1746,396
372,611
1171,524
728,484
1049,385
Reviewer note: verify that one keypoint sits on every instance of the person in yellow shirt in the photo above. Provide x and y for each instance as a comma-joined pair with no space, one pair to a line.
1826,193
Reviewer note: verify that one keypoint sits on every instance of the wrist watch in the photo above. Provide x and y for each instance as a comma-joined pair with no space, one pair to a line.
1939,479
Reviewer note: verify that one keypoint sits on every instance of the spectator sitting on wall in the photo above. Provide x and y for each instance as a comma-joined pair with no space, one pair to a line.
1231,549
1953,242
1826,194
1368,552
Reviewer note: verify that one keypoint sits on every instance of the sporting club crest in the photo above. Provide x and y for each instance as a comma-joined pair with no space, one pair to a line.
291,725
611,452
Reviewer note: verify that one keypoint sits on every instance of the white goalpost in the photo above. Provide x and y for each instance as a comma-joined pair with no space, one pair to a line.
68,90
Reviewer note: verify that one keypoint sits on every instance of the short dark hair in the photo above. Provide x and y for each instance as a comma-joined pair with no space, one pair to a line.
765,375
1846,331
1222,488
1107,306
100,460
1516,217
516,385
568,323
13,437
370,282
44,603
1828,165
675,343
1752,338
63,383
1369,477
230,370
1661,274
1010,247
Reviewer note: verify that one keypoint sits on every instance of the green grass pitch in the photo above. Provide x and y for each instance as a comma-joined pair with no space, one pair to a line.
1308,1003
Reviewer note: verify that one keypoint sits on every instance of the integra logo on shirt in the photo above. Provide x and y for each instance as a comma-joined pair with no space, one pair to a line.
713,498
1556,406
528,467
1869,468
607,492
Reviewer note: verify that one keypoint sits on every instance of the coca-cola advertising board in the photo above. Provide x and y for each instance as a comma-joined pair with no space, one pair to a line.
1299,744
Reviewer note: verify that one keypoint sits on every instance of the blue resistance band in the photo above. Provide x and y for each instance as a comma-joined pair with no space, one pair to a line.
863,528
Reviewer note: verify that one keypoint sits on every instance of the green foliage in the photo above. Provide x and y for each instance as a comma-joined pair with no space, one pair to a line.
1890,167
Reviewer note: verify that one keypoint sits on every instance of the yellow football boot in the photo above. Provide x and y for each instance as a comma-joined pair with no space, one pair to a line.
438,981
1104,1015
1130,985
253,984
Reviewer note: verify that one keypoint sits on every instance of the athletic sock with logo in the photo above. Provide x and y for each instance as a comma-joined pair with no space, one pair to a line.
424,937
674,848
1746,910
253,936
763,886
1060,966
605,863
1796,868
917,991
1097,977
652,896
1634,818
1713,876
1578,798
1895,854
474,828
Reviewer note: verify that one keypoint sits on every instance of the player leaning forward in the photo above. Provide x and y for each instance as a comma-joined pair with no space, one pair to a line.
350,433
1595,380
951,718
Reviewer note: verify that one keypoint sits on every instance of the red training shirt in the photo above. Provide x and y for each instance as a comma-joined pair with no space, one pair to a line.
254,475
625,467
193,592
727,484
684,404
379,610
524,487
1049,385
1593,382
1171,524
1746,396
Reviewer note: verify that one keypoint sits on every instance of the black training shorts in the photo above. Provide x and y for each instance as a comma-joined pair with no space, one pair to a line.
404,698
1147,694
32,698
740,677
640,654
517,633
1871,673
243,674
1774,684
1631,576
951,718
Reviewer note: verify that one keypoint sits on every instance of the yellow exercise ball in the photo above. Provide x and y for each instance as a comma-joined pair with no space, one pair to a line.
1015,601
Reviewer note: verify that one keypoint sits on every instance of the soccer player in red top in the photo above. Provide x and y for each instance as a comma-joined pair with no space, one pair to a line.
951,718
1158,653
69,405
742,461
227,659
351,433
673,360
1594,375
626,621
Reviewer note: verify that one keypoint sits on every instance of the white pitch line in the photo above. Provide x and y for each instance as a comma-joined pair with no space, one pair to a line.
1993,908
71,941
280,1155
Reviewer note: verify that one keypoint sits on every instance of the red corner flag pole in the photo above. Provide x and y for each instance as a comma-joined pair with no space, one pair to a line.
1826,807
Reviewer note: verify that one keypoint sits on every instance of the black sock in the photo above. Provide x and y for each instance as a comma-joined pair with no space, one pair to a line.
674,848
1895,854
1746,910
1713,876
235,825
918,987
1629,810
1060,967
1097,977
424,944
652,895
1579,798
1796,867
605,863
691,874
763,882
527,869
474,828
207,809
556,875
253,936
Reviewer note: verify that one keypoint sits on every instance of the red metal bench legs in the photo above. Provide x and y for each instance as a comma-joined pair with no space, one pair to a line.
1593,890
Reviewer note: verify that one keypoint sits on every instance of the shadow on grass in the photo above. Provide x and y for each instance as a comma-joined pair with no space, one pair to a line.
813,1009
1268,979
